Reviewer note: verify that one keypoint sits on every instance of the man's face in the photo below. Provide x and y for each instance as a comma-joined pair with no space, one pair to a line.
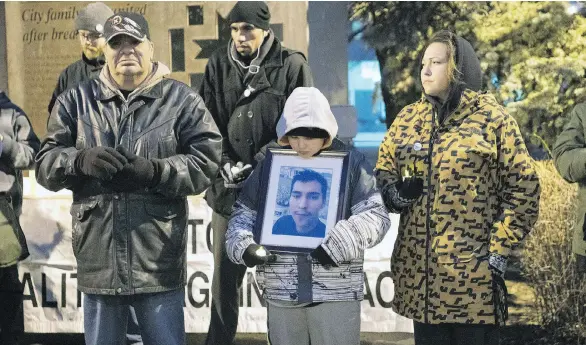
247,38
305,202
127,56
92,43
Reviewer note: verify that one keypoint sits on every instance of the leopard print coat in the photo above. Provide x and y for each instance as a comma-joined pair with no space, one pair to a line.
480,196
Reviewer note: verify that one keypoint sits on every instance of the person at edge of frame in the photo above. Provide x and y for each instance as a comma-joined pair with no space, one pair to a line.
18,146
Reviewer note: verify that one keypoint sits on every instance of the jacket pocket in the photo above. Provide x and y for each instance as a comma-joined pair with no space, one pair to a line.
160,236
167,146
80,215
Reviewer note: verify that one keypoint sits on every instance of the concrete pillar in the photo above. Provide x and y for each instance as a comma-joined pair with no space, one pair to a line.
328,44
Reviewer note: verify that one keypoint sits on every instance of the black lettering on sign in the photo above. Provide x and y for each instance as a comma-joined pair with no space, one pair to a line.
377,292
379,297
74,276
205,292
209,237
368,291
63,290
27,283
192,226
45,303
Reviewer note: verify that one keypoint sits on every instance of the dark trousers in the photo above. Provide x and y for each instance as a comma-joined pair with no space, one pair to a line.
11,317
455,334
226,283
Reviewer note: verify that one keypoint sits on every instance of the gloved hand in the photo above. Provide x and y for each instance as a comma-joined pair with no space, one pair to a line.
497,264
138,173
410,188
99,162
404,192
257,255
322,257
234,174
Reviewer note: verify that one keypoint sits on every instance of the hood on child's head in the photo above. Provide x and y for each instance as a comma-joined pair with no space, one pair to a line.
306,107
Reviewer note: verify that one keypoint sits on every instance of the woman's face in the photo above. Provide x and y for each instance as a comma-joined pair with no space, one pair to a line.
434,71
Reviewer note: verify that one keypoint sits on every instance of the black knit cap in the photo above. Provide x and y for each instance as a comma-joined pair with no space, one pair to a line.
251,12
308,132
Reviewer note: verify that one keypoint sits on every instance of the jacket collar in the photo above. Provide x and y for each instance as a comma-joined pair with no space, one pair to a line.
466,101
95,63
153,88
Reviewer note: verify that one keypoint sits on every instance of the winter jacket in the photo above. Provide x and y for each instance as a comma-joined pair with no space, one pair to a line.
365,226
480,196
128,243
569,153
247,114
297,278
76,73
19,146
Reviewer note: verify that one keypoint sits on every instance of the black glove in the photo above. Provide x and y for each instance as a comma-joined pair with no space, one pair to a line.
138,173
257,255
411,188
404,193
99,162
322,257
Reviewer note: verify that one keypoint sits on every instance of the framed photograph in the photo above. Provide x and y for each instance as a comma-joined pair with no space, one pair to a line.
302,199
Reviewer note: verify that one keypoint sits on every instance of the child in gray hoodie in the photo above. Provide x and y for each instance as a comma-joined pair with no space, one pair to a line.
312,299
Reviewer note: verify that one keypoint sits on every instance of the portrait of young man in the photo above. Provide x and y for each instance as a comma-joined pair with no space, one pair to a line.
306,200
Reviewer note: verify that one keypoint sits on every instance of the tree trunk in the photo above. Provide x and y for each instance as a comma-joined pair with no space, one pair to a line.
390,104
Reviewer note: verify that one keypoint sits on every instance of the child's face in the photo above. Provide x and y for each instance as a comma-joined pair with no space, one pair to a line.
306,147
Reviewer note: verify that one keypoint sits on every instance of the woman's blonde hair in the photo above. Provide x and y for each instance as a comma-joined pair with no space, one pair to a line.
449,39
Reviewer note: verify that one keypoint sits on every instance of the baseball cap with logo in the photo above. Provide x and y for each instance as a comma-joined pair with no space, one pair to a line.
127,23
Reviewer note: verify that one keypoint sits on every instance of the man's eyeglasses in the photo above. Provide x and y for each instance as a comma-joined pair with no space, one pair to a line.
90,37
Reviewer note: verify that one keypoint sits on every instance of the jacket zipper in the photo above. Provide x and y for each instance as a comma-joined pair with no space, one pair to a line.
428,220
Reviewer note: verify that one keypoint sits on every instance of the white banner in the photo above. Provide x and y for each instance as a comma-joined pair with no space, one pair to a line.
52,303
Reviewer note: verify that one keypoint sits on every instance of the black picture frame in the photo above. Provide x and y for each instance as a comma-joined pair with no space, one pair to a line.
281,165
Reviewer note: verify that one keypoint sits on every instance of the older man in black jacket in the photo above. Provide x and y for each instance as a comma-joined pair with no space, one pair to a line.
131,145
245,87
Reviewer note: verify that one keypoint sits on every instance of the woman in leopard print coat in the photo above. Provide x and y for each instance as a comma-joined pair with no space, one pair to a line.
455,166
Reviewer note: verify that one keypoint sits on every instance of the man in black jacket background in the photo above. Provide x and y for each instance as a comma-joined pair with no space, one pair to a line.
89,24
245,87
